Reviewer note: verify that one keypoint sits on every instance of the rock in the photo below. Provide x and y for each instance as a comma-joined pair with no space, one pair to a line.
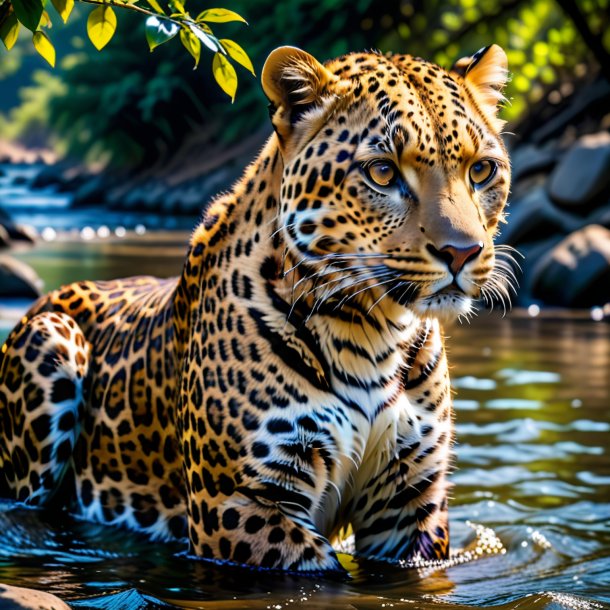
583,174
576,272
18,279
601,216
527,160
534,218
17,232
5,240
18,598
91,192
20,180
524,186
530,253
49,175
21,233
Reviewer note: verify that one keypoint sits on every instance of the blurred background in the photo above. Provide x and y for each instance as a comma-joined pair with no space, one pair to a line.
109,158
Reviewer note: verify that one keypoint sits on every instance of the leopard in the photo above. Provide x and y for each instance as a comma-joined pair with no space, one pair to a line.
292,383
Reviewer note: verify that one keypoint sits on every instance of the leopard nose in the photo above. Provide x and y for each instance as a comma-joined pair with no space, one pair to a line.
456,257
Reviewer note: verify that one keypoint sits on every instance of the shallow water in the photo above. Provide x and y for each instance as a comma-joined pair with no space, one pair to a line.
533,464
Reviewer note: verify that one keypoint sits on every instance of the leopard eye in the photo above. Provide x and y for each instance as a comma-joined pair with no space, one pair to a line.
382,173
482,172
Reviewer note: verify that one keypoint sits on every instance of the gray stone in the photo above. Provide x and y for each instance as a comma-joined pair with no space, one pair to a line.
18,279
534,218
91,192
19,598
583,174
528,159
576,272
601,216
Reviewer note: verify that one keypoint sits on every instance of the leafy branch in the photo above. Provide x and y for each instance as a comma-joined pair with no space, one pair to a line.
194,33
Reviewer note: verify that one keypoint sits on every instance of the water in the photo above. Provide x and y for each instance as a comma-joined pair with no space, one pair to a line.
533,465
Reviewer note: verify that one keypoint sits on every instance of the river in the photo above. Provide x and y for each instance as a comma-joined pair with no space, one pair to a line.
532,465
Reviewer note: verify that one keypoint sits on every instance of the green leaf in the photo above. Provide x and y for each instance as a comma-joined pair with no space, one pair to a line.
219,15
177,7
63,8
101,26
225,75
208,41
191,44
156,6
9,30
159,31
238,54
29,12
43,45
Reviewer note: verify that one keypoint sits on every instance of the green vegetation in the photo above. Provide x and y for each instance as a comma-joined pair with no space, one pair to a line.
160,27
125,107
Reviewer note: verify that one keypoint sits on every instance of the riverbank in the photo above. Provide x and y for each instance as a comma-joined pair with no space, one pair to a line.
558,213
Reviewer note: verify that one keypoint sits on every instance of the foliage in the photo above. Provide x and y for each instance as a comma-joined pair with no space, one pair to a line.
122,107
160,28
545,51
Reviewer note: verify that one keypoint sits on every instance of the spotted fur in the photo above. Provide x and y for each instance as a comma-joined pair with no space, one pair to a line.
293,380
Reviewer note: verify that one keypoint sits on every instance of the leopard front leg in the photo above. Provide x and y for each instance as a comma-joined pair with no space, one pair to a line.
251,500
42,371
401,511
247,529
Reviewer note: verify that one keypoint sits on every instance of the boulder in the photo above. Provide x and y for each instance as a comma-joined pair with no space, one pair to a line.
583,174
5,240
576,272
534,218
601,216
528,159
21,233
91,192
18,279
18,598
49,175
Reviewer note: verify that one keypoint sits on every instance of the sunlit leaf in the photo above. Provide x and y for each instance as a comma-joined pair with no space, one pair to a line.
177,7
159,31
219,15
237,53
29,12
207,40
156,6
9,30
101,26
45,20
225,75
191,44
43,46
63,8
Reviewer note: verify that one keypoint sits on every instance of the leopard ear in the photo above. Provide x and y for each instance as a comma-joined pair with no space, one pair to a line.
295,82
487,72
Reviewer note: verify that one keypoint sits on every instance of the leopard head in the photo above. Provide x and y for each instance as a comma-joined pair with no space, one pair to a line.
394,177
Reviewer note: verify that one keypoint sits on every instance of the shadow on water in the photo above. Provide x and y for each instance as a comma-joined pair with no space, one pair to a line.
533,466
